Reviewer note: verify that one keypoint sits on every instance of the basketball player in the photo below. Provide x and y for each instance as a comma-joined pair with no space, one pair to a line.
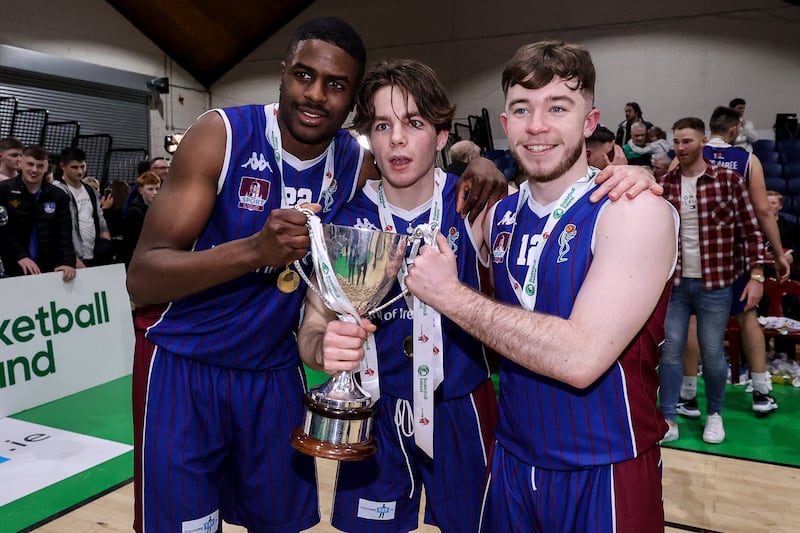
403,109
582,292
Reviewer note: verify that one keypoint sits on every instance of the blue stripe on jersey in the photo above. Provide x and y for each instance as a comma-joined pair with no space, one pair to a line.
465,365
545,422
247,323
732,157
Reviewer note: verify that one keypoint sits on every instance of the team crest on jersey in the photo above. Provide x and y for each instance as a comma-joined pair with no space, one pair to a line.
14,203
500,246
49,207
253,193
452,237
569,232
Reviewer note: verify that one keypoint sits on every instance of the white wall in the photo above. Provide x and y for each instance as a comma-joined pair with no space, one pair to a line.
93,32
669,57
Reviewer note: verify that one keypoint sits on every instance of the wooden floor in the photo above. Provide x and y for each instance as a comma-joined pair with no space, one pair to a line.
701,492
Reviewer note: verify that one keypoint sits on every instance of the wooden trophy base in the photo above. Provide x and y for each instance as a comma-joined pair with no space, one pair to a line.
328,450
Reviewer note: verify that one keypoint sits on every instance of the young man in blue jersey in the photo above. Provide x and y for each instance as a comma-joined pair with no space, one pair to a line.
577,436
403,110
216,400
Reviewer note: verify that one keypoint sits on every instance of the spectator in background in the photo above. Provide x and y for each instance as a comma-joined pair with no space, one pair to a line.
148,185
38,236
786,228
660,165
747,134
90,235
657,144
113,201
600,147
10,157
461,153
633,114
636,148
160,166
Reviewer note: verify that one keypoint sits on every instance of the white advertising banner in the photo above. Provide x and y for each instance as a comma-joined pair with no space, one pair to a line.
36,456
60,338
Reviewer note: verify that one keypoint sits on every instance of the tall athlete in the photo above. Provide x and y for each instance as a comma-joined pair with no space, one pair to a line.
725,125
582,292
403,109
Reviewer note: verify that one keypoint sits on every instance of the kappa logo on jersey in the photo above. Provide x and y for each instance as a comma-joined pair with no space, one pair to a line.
569,233
500,246
257,162
365,223
253,193
508,219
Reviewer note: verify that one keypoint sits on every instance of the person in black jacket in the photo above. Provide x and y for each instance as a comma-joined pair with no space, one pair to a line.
38,236
149,183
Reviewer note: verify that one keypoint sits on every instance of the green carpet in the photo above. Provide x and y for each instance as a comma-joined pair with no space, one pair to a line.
772,438
104,412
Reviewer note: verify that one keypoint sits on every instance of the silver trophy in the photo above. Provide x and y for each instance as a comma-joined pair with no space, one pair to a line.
355,269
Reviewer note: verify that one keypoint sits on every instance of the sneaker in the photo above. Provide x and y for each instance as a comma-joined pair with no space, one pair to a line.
688,408
763,403
714,432
672,432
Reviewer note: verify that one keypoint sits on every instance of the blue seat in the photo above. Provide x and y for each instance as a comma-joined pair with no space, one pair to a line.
494,155
763,146
791,217
774,170
793,187
791,170
791,204
775,184
768,157
789,150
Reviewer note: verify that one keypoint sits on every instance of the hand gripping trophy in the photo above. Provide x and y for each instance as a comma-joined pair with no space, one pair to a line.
355,269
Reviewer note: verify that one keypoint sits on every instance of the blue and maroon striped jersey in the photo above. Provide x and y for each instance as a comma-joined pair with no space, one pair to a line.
247,323
547,423
465,364
730,157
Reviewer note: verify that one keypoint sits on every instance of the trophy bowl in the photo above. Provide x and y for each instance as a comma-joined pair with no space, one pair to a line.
355,270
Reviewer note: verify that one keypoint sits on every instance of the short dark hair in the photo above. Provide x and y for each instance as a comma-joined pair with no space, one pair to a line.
737,101
535,65
723,118
690,122
11,143
332,30
35,151
71,153
600,135
417,80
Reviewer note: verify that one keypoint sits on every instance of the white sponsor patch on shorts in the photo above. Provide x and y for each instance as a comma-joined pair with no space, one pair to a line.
376,510
206,524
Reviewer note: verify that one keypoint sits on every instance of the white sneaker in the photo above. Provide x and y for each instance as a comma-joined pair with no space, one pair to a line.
714,432
672,433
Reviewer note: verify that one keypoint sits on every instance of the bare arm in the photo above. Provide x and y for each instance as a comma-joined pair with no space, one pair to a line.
481,185
326,343
163,267
766,220
634,255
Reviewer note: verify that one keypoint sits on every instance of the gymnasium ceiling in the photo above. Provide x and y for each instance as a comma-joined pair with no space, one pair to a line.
209,37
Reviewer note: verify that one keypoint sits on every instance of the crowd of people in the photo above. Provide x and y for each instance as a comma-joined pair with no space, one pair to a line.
666,238
60,220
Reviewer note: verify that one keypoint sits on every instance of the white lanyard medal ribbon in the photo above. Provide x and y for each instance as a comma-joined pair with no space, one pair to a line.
428,367
526,293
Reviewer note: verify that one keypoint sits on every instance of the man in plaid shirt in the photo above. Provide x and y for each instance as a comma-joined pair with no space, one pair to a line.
716,213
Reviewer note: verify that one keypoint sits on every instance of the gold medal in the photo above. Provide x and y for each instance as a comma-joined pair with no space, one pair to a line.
288,281
408,346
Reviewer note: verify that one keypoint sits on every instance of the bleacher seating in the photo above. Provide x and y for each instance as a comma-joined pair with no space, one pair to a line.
789,150
8,108
763,146
29,125
773,170
768,157
791,171
775,183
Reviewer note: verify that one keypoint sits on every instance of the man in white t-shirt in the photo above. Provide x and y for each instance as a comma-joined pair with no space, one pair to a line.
89,227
